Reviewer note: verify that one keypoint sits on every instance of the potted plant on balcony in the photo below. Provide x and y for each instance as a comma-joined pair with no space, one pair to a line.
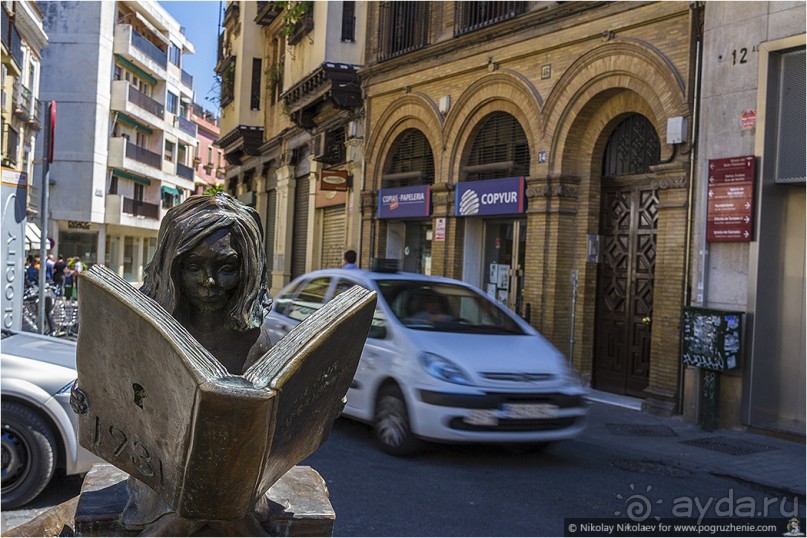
298,20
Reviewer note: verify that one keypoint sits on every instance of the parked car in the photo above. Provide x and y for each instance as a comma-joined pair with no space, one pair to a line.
444,362
39,427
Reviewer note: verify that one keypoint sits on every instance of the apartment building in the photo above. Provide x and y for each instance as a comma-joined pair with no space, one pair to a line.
23,39
291,126
209,163
748,252
125,141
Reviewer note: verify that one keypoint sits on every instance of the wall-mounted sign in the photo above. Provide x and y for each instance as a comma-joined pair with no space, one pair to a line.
748,119
78,225
730,211
405,202
333,180
440,229
328,198
490,197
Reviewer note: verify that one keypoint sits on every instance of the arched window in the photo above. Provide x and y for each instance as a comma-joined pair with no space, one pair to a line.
632,148
409,162
500,149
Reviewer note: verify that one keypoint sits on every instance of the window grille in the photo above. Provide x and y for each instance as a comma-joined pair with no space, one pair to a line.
500,149
334,150
632,148
785,128
404,27
470,16
410,161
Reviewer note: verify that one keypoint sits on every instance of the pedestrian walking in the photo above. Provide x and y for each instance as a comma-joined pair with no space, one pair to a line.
49,263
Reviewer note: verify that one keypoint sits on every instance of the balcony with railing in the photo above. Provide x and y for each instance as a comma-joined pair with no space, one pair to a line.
187,79
145,102
153,51
21,101
139,50
403,27
185,172
130,101
139,208
470,16
142,155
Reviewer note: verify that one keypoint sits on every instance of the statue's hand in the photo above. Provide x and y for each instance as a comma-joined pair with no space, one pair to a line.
78,400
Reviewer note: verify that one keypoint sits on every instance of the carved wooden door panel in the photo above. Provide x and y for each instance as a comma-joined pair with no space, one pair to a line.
625,290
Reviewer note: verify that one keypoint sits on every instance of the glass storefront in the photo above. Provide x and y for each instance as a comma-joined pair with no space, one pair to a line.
81,244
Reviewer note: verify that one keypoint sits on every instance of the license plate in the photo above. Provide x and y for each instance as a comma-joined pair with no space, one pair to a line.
529,411
482,417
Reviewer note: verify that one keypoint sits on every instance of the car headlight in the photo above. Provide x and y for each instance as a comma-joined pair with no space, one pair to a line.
443,369
66,388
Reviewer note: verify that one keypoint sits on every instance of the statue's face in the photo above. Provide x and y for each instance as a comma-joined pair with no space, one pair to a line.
209,273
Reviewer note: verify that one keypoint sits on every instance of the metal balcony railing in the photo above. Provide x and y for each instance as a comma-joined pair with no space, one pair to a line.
21,101
149,49
145,102
470,16
185,172
187,79
35,119
142,155
139,208
186,126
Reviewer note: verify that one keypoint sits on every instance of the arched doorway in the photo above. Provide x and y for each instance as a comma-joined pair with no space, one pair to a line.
625,278
407,174
490,200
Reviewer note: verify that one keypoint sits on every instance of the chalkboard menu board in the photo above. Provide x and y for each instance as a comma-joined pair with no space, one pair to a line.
711,338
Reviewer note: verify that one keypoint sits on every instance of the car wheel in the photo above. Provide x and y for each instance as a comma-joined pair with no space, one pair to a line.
28,455
391,426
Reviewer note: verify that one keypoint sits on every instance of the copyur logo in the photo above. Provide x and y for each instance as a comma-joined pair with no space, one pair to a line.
469,203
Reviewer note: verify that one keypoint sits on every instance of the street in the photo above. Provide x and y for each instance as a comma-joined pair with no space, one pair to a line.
462,490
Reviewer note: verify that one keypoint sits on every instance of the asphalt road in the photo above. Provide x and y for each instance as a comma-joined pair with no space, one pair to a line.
457,490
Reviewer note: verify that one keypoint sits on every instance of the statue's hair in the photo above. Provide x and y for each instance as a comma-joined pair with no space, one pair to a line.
188,223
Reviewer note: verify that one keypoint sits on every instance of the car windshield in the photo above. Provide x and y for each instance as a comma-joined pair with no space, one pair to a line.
441,307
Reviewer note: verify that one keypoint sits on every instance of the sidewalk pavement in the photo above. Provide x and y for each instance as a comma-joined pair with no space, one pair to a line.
771,463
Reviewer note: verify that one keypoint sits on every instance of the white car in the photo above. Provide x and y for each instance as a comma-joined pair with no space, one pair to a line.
444,362
39,427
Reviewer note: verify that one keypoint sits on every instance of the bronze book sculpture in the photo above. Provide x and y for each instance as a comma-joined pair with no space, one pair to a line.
158,404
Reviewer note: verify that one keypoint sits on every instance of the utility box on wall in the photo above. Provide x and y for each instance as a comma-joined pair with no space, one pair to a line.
711,338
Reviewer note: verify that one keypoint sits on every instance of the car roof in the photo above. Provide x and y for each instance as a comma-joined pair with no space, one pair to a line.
364,274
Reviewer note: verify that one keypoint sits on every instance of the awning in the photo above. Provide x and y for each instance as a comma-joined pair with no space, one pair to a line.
147,23
170,190
127,175
134,123
32,236
132,67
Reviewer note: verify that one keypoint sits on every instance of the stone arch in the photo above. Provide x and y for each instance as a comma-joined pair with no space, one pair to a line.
502,91
628,65
410,111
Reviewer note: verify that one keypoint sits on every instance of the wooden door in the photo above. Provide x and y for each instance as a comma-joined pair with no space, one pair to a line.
625,289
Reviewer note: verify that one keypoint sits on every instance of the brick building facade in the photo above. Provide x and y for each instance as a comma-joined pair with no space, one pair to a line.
558,113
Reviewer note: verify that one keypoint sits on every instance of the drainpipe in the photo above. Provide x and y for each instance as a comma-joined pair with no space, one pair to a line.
697,7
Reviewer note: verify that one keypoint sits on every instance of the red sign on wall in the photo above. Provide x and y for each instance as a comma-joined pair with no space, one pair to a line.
730,212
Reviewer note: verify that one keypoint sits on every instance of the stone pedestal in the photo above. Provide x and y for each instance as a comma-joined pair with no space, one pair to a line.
297,505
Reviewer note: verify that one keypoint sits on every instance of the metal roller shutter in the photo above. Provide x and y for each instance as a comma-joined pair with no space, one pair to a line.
269,240
299,246
333,236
